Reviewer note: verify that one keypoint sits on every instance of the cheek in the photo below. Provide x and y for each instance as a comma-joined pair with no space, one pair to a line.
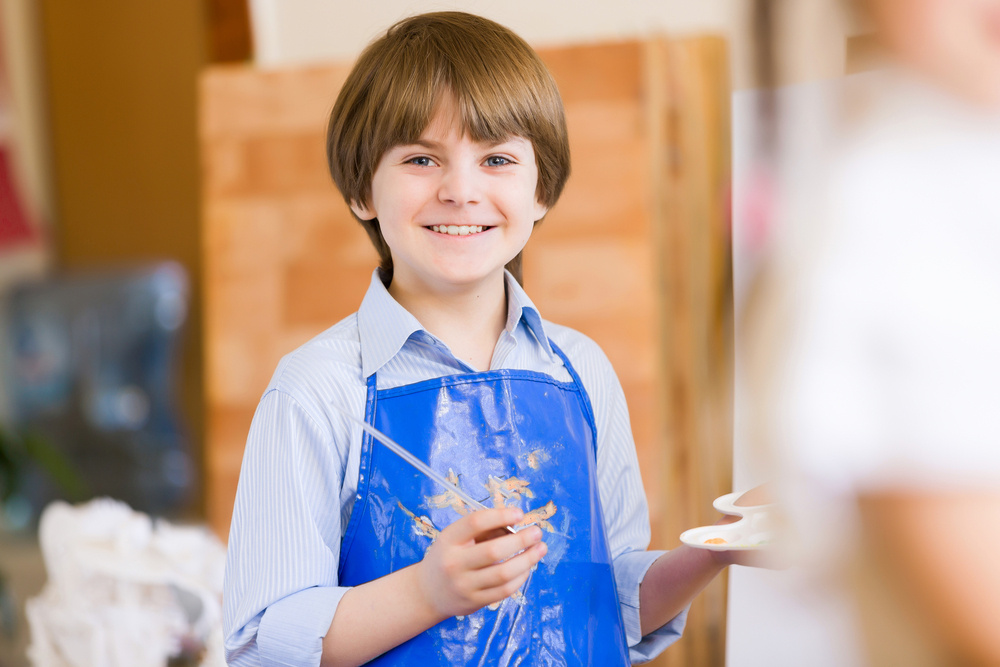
395,201
528,193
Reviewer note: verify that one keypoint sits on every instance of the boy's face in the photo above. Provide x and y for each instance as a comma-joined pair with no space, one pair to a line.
452,211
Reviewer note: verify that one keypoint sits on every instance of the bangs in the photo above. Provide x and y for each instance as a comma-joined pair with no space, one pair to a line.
499,93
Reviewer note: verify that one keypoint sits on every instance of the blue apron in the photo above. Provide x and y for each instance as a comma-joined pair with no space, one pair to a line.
511,438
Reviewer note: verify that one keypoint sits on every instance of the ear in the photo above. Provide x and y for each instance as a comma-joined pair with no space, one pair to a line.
363,211
539,211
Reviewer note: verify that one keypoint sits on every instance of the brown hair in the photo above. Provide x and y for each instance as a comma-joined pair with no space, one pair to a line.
501,89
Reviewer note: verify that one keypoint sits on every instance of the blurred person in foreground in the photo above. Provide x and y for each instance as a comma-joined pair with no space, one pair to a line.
884,396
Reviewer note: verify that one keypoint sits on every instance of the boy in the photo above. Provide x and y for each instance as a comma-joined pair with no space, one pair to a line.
449,144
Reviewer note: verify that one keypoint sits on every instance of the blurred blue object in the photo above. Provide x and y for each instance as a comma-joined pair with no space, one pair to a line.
92,368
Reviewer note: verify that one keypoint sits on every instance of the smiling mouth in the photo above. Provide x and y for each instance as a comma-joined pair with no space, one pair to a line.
458,230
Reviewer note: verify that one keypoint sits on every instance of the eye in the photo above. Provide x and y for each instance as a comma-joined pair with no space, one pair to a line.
421,161
498,161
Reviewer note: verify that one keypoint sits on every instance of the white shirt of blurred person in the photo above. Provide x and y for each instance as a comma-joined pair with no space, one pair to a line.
888,401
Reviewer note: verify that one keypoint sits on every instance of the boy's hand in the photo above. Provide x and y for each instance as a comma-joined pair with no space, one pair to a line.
762,494
475,562
773,558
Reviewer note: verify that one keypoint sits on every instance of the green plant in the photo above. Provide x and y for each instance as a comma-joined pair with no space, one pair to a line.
18,451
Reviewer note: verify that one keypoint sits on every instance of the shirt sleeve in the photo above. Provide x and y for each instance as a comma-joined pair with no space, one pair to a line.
281,591
623,500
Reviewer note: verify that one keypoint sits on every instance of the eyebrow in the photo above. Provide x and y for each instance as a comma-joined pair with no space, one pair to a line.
431,145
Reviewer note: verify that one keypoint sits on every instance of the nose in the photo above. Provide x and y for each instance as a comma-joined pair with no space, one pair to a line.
459,185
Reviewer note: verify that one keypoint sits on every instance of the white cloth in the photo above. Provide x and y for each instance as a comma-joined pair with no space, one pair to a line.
893,367
124,591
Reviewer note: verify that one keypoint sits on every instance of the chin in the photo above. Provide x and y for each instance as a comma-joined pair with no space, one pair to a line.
469,277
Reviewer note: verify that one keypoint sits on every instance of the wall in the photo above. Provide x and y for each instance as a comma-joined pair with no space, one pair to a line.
769,621
121,85
298,31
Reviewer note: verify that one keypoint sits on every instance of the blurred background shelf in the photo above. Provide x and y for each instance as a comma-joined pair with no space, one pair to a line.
23,575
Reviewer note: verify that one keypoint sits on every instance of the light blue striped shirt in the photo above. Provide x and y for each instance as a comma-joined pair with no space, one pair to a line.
300,470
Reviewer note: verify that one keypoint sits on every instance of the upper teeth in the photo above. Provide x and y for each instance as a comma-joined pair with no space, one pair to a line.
457,230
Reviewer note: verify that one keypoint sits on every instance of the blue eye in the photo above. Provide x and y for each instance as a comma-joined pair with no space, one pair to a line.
421,161
497,161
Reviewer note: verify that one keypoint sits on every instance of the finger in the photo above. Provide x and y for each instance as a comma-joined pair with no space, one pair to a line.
503,592
768,559
480,522
501,548
512,569
729,518
492,535
759,495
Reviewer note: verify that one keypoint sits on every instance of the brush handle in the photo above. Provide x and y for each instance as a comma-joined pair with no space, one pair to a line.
415,462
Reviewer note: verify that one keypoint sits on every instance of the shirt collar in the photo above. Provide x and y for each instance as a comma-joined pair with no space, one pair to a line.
384,326
520,307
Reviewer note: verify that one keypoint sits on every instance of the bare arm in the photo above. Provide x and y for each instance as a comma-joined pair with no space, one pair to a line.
673,581
469,566
940,551
375,617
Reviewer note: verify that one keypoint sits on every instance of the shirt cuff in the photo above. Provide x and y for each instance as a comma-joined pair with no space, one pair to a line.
630,569
292,629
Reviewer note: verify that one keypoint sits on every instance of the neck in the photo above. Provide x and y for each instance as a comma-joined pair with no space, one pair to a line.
469,321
